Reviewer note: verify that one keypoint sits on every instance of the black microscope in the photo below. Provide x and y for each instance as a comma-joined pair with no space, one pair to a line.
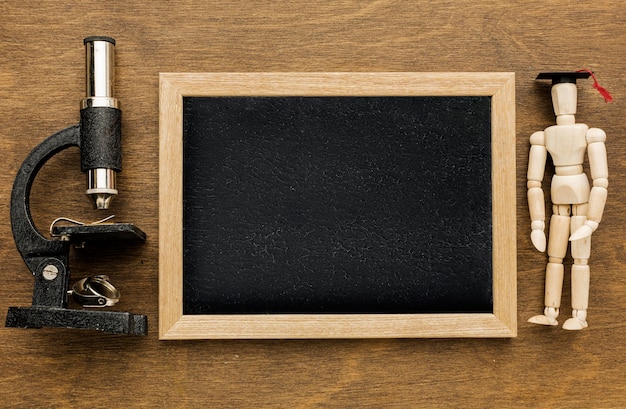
98,135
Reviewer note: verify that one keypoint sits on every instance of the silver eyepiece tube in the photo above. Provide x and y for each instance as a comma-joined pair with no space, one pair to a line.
100,122
100,73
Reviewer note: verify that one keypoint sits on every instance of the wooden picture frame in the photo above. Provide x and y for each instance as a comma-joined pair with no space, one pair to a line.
174,324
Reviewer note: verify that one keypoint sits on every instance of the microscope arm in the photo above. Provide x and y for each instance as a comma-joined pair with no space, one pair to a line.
31,244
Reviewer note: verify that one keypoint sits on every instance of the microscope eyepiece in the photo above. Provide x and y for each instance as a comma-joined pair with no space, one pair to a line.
100,73
100,123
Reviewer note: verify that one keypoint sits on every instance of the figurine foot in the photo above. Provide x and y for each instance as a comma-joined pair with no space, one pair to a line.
543,320
548,317
577,322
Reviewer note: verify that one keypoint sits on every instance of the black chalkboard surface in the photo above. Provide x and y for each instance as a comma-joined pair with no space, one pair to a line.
337,204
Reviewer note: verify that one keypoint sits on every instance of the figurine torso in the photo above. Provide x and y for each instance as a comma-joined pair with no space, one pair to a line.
567,145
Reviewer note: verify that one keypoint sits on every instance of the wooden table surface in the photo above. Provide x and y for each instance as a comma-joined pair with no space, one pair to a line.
41,84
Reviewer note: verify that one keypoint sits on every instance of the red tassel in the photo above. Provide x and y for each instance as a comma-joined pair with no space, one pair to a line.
605,94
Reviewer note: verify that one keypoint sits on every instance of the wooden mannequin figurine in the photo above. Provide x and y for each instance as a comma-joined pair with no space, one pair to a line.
577,207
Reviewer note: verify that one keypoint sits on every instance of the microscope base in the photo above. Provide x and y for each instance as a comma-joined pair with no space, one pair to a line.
111,322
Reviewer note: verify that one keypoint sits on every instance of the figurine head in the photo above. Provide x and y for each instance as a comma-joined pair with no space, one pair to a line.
564,91
564,98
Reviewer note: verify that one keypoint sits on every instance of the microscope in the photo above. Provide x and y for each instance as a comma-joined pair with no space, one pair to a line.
98,136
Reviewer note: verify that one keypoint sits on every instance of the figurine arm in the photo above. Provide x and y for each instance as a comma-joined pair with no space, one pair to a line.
536,204
596,151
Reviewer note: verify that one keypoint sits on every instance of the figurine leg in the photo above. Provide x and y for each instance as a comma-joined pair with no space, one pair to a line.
581,250
557,247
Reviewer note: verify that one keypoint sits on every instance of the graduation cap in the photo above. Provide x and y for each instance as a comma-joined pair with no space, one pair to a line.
571,77
560,77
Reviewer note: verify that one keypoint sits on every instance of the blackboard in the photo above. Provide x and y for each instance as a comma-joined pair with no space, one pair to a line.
336,204
329,206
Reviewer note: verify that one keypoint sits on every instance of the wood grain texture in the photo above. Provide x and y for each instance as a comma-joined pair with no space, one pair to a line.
41,84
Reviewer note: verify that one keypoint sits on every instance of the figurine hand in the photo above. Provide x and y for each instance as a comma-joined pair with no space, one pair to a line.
538,237
584,231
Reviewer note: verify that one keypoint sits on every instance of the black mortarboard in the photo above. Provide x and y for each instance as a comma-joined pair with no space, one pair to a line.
559,77
571,77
